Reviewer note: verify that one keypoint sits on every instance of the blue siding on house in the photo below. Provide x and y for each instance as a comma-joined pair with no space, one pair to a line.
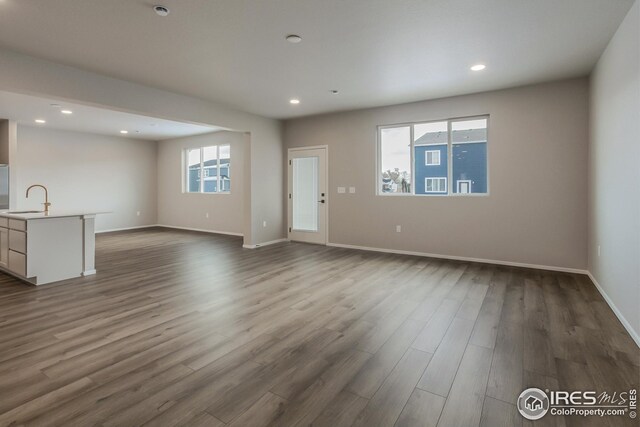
469,163
210,170
423,171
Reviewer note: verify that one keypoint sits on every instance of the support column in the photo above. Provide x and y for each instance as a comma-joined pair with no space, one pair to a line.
88,245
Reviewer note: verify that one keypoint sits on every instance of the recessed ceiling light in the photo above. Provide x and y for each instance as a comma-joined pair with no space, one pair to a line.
40,121
478,67
293,38
334,91
294,101
124,131
161,10
66,112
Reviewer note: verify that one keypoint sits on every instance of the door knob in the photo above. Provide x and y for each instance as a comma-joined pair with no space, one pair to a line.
320,201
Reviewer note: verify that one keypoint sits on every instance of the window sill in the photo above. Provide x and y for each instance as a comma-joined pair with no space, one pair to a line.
433,195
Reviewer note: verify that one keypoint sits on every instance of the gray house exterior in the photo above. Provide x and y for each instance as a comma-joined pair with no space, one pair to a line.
210,169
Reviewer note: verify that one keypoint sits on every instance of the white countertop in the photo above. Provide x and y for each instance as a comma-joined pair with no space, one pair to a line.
52,214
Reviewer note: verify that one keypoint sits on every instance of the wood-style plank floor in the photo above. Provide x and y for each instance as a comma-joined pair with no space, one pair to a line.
188,329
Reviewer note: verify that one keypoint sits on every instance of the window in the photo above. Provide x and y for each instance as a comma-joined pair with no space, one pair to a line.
207,169
395,150
447,157
432,158
435,185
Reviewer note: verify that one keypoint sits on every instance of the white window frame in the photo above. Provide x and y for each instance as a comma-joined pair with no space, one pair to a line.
449,144
463,181
201,174
426,157
435,178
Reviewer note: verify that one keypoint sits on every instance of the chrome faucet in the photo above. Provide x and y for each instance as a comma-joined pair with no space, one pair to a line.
46,197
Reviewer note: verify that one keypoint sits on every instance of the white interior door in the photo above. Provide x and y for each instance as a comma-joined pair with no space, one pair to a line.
308,195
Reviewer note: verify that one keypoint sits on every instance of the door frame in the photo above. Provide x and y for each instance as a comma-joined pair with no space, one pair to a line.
326,186
465,181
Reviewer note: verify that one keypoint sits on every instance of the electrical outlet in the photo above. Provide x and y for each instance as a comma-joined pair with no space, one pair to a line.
264,223
138,213
398,228
352,190
598,250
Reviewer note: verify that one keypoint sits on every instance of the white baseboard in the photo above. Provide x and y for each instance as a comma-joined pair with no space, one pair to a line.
126,228
89,272
634,334
259,245
461,258
228,233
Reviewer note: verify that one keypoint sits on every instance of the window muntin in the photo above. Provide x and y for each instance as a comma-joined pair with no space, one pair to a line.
454,149
207,169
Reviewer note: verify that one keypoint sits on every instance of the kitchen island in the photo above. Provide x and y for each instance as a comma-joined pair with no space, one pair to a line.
42,248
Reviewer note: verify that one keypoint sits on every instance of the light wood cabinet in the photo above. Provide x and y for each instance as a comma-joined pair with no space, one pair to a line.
18,241
42,249
18,263
4,247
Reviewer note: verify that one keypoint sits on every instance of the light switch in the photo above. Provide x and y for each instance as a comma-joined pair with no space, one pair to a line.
352,190
341,190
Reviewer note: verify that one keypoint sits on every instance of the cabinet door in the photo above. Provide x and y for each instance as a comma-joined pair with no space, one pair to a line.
18,263
4,247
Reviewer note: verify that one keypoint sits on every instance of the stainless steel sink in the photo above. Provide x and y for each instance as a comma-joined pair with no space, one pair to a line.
23,212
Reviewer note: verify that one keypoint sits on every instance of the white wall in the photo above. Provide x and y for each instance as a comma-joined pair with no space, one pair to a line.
536,212
88,173
25,74
179,209
614,185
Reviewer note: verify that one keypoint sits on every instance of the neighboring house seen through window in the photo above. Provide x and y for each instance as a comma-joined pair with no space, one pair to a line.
447,157
207,169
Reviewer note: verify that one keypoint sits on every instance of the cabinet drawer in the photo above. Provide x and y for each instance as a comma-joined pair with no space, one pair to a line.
18,224
18,263
4,222
18,241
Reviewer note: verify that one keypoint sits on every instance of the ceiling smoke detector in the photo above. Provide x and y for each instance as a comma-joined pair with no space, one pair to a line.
161,10
293,38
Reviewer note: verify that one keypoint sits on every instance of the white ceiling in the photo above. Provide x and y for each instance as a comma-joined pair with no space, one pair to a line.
26,109
375,52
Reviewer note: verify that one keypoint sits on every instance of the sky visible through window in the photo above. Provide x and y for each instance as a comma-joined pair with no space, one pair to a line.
395,149
194,157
